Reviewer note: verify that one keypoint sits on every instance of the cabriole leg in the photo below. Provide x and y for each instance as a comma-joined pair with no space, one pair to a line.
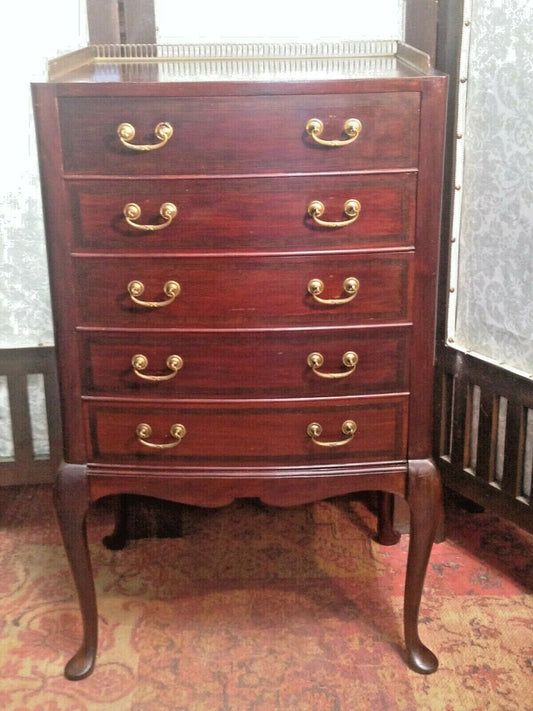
71,500
424,497
118,539
387,536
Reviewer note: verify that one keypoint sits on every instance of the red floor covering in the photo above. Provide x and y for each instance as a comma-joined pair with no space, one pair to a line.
264,609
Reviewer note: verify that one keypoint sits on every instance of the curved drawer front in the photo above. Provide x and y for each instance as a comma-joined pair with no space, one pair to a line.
243,292
262,214
257,433
241,134
246,364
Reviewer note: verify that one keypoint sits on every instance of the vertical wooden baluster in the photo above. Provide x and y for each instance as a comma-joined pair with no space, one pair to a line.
527,467
461,424
445,396
515,434
487,435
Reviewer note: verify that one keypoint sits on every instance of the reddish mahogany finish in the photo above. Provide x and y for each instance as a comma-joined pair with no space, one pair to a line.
256,214
242,170
238,291
272,364
246,134
251,432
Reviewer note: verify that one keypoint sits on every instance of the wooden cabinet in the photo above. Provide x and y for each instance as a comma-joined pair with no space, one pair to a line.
242,259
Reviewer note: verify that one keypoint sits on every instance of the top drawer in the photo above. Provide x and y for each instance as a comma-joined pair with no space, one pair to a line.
239,135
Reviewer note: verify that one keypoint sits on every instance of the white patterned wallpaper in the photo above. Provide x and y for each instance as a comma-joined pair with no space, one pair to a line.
25,318
494,315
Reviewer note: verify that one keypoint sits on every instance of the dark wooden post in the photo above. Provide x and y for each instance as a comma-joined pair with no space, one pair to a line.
116,21
421,25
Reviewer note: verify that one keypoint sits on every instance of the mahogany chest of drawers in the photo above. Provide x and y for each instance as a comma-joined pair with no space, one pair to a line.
242,255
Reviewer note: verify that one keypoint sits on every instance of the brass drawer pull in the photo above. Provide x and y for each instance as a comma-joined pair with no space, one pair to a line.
352,128
316,361
132,212
144,431
140,362
350,285
349,428
136,288
126,132
352,208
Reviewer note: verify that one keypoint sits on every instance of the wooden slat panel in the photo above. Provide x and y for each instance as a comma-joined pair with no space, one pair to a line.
489,497
514,449
53,414
504,498
486,443
17,364
444,402
505,383
459,423
20,419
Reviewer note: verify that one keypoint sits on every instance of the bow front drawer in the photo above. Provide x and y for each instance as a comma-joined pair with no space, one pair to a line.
240,134
256,433
246,364
261,214
243,292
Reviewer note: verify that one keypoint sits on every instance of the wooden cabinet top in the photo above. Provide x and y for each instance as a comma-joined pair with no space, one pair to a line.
290,62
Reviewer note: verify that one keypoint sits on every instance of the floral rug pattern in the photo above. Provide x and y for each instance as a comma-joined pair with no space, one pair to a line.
262,609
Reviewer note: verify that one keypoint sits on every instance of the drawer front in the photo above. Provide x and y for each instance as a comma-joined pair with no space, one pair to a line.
229,135
257,433
246,364
243,292
233,215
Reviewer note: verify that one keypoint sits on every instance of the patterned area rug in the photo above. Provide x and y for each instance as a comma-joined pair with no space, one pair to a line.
264,609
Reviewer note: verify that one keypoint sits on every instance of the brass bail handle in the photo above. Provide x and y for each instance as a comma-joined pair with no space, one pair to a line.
352,208
143,432
136,289
349,360
126,133
352,128
132,212
349,428
140,362
350,286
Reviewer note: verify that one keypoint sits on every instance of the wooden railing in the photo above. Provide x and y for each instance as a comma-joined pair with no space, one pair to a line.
26,465
484,434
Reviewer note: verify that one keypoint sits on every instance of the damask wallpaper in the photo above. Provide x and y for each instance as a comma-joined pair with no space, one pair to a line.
495,286
25,317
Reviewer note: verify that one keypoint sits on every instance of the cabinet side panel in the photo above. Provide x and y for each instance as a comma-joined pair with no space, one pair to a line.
62,283
432,124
